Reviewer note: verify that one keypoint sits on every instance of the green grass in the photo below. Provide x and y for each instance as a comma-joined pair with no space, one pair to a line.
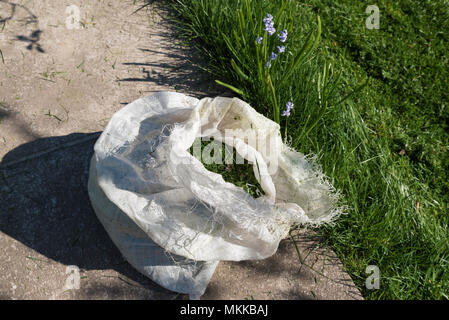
232,168
384,145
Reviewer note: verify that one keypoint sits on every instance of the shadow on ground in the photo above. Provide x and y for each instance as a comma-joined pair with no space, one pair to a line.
46,207
21,13
177,66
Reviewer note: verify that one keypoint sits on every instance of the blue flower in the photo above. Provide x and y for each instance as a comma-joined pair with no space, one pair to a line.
283,35
273,56
269,24
289,106
281,49
270,29
268,17
259,40
285,113
268,64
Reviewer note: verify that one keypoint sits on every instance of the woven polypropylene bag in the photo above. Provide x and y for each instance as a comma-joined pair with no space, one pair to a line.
172,219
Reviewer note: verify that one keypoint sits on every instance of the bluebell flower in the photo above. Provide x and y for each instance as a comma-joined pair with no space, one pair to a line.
269,24
273,56
283,35
268,17
259,40
268,64
285,113
281,49
289,106
270,29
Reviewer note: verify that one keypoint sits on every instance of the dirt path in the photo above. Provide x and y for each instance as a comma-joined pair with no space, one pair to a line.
60,82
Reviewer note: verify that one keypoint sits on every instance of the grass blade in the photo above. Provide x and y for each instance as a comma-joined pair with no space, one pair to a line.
238,91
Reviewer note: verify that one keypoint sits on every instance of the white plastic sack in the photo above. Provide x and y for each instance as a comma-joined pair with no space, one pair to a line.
172,219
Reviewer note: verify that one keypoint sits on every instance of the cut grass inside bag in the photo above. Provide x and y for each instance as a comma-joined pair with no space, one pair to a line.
229,165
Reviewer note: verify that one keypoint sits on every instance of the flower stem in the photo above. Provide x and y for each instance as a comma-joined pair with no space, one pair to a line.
275,103
286,124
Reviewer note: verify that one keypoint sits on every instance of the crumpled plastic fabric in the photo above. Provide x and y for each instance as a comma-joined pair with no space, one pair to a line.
174,220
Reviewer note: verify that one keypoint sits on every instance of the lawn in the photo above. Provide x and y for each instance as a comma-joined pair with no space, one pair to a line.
372,104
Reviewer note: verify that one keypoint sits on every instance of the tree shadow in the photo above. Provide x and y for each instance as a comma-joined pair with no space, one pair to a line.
46,207
30,18
32,40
